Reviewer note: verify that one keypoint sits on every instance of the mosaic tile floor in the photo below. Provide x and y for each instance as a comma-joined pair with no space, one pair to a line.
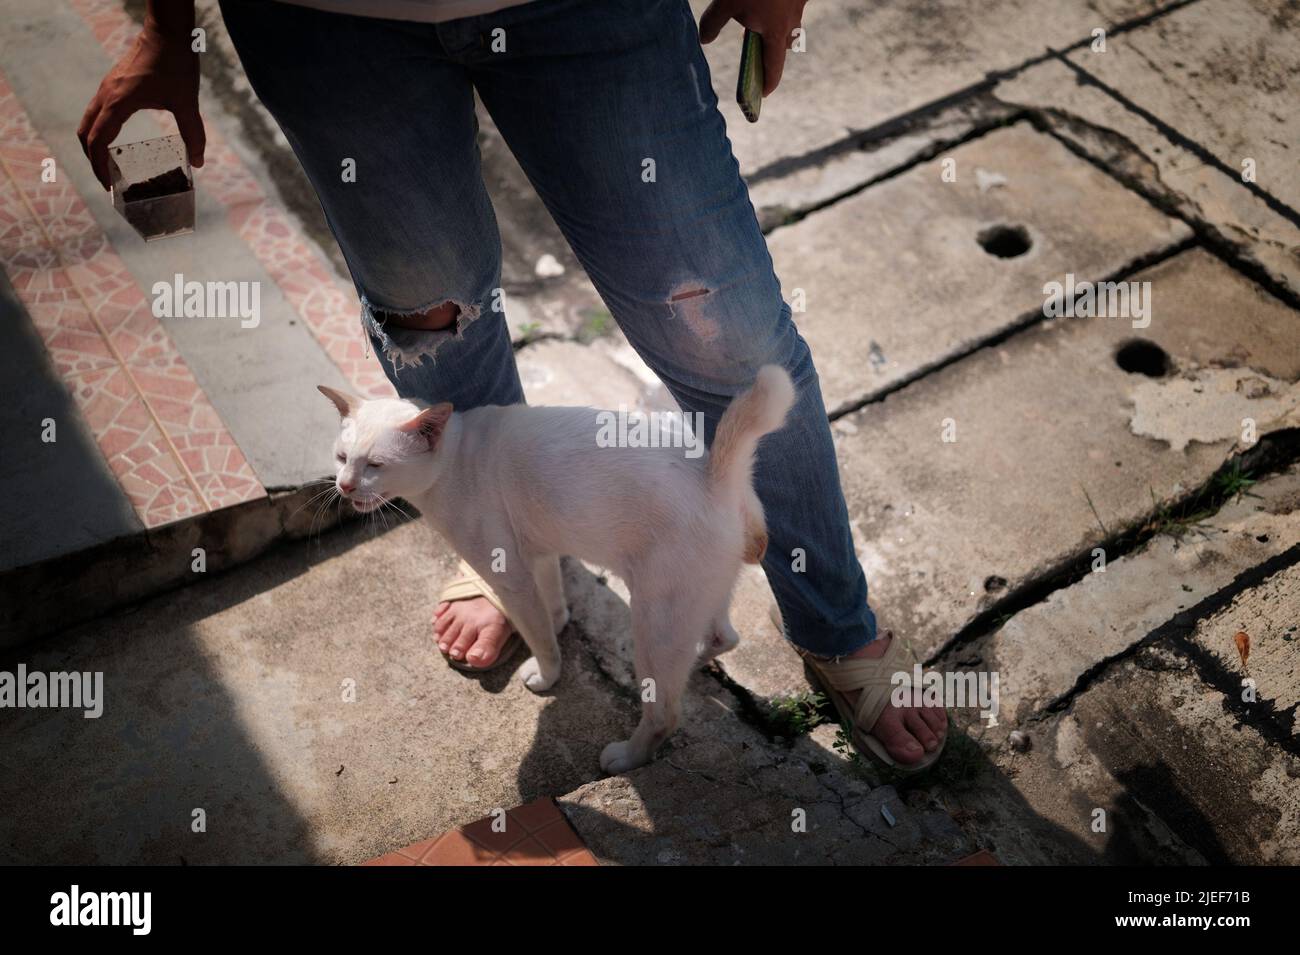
163,440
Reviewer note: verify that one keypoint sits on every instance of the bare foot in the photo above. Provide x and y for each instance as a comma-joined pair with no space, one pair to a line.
906,732
470,630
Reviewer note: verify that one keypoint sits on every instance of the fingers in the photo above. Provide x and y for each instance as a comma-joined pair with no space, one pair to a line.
102,133
774,50
190,125
714,19
87,123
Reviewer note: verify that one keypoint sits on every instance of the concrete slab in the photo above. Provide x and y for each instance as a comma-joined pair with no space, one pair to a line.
783,193
1218,72
896,280
230,698
568,308
867,64
1269,615
1165,171
64,590
1043,456
233,698
1161,756
1043,653
567,373
1162,751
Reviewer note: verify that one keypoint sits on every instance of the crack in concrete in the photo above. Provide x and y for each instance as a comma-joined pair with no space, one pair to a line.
1272,454
916,118
844,811
1176,634
1236,254
1181,139
990,117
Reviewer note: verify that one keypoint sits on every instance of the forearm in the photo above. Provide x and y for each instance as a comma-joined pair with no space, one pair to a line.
160,70
170,19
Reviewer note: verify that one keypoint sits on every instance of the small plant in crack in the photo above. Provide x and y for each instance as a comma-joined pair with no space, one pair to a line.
844,744
962,761
1229,483
596,323
1088,497
1168,521
529,330
1232,482
798,714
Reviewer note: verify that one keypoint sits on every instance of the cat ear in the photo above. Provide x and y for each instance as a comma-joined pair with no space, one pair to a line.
430,423
347,404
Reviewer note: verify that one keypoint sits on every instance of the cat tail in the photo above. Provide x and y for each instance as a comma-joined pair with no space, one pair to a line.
751,415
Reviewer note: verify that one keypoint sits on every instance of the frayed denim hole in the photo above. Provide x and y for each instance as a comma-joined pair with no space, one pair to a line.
411,346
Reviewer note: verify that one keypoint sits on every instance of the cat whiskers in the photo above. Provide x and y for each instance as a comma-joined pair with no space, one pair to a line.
332,495
314,497
388,502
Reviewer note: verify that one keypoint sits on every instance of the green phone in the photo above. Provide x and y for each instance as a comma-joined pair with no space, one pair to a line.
749,87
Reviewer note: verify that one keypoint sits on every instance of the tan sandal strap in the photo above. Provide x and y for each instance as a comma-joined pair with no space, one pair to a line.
469,585
873,678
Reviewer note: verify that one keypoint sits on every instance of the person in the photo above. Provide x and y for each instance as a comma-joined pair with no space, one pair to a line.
609,108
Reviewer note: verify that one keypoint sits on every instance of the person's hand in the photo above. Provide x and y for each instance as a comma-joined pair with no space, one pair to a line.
774,20
159,72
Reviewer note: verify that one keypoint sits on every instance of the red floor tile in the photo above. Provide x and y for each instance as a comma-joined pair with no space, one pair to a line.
534,834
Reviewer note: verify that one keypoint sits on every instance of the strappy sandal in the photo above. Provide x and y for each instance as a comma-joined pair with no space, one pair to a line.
466,587
874,678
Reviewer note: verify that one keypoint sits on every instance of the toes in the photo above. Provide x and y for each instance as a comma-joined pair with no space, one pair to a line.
461,642
916,725
448,635
488,645
899,742
936,719
442,621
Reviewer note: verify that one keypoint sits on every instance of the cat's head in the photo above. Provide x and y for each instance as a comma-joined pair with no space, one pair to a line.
384,447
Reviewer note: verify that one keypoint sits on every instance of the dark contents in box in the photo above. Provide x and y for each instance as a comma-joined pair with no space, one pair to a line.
165,184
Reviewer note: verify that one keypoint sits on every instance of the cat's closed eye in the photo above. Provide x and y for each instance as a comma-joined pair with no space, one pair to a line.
341,458
376,464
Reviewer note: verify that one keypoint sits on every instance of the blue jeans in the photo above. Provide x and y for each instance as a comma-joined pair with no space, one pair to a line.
592,98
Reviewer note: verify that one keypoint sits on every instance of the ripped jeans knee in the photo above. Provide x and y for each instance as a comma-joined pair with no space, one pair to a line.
717,336
407,336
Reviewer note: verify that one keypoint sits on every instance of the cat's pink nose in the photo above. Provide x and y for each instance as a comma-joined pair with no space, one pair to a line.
346,488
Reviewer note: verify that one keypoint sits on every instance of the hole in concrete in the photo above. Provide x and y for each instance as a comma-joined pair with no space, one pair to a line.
1262,538
994,584
1005,241
1140,357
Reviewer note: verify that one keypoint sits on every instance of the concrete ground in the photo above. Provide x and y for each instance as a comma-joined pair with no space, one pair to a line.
1103,512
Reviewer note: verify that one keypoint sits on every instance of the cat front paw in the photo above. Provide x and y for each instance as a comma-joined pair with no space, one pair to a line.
620,757
533,677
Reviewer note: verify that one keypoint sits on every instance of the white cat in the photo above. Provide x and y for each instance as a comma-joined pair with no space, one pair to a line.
528,484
